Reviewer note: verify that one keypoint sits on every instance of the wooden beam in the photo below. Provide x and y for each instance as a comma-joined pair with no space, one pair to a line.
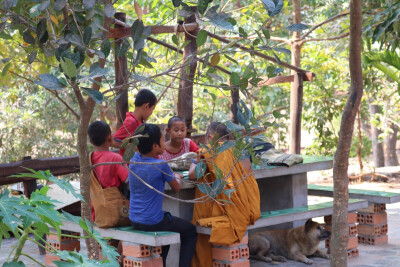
57,166
122,32
307,77
259,54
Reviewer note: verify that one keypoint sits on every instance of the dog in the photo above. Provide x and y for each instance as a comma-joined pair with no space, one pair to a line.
295,244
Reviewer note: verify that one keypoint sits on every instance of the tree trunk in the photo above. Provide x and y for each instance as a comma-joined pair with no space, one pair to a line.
185,94
340,231
296,93
377,147
390,144
121,71
234,102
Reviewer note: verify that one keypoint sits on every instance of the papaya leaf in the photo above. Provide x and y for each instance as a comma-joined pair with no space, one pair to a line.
14,264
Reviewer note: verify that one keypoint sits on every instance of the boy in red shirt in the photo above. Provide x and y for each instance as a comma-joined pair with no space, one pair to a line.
145,103
109,175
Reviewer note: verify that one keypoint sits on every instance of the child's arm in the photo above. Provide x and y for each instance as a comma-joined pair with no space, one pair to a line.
192,172
176,183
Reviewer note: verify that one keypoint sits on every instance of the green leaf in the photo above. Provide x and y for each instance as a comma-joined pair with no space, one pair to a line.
200,169
205,189
97,96
32,57
59,4
231,59
7,211
219,19
266,34
109,10
278,8
69,68
176,3
5,69
137,30
89,4
202,5
41,31
297,27
139,44
282,50
49,81
242,32
129,151
95,71
215,59
43,5
228,192
226,145
28,38
277,115
106,47
124,48
218,173
87,35
269,5
201,37
175,39
7,4
234,79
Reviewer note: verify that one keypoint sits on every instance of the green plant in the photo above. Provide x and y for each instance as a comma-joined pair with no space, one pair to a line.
36,215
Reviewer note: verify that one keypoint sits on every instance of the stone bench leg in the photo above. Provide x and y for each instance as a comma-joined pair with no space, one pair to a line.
235,255
139,255
373,227
352,245
64,243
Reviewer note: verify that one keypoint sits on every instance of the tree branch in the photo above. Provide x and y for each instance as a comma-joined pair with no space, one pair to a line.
343,35
322,23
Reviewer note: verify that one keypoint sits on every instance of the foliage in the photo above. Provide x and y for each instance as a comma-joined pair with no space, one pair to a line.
37,215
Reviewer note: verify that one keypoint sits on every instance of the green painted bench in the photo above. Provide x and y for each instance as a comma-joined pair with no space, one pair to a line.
127,233
269,218
371,196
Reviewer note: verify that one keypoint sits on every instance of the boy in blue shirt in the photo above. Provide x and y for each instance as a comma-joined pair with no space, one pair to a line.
145,210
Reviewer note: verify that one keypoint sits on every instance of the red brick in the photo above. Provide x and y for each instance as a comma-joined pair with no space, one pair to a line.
360,218
244,252
218,264
351,253
372,230
49,258
351,244
135,250
225,253
352,229
143,262
373,240
241,263
375,218
374,208
156,250
351,217
70,245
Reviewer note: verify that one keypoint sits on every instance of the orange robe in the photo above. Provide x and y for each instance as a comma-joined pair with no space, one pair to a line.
229,221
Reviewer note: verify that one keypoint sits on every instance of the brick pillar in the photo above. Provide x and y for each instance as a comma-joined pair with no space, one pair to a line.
62,243
139,255
352,245
373,227
234,255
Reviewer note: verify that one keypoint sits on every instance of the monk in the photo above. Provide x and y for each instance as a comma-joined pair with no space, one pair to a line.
228,220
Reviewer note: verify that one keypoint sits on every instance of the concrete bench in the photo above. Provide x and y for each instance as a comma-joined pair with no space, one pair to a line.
269,218
369,195
139,247
372,225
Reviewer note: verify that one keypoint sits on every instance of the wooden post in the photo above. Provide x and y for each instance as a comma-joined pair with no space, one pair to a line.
234,104
185,94
121,70
296,106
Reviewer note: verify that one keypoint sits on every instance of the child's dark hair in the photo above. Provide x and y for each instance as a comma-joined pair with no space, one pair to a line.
145,96
219,129
154,137
174,119
98,132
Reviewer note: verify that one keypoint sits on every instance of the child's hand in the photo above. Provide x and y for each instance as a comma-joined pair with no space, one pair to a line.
178,176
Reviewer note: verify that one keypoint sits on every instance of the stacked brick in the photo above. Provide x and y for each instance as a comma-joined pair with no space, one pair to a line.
62,243
373,227
234,255
138,255
352,245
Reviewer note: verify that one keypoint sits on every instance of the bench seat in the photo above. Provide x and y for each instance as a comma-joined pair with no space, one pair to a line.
293,214
371,196
128,234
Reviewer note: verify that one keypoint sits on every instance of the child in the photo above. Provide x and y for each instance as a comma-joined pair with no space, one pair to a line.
145,103
229,222
109,175
145,210
178,144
